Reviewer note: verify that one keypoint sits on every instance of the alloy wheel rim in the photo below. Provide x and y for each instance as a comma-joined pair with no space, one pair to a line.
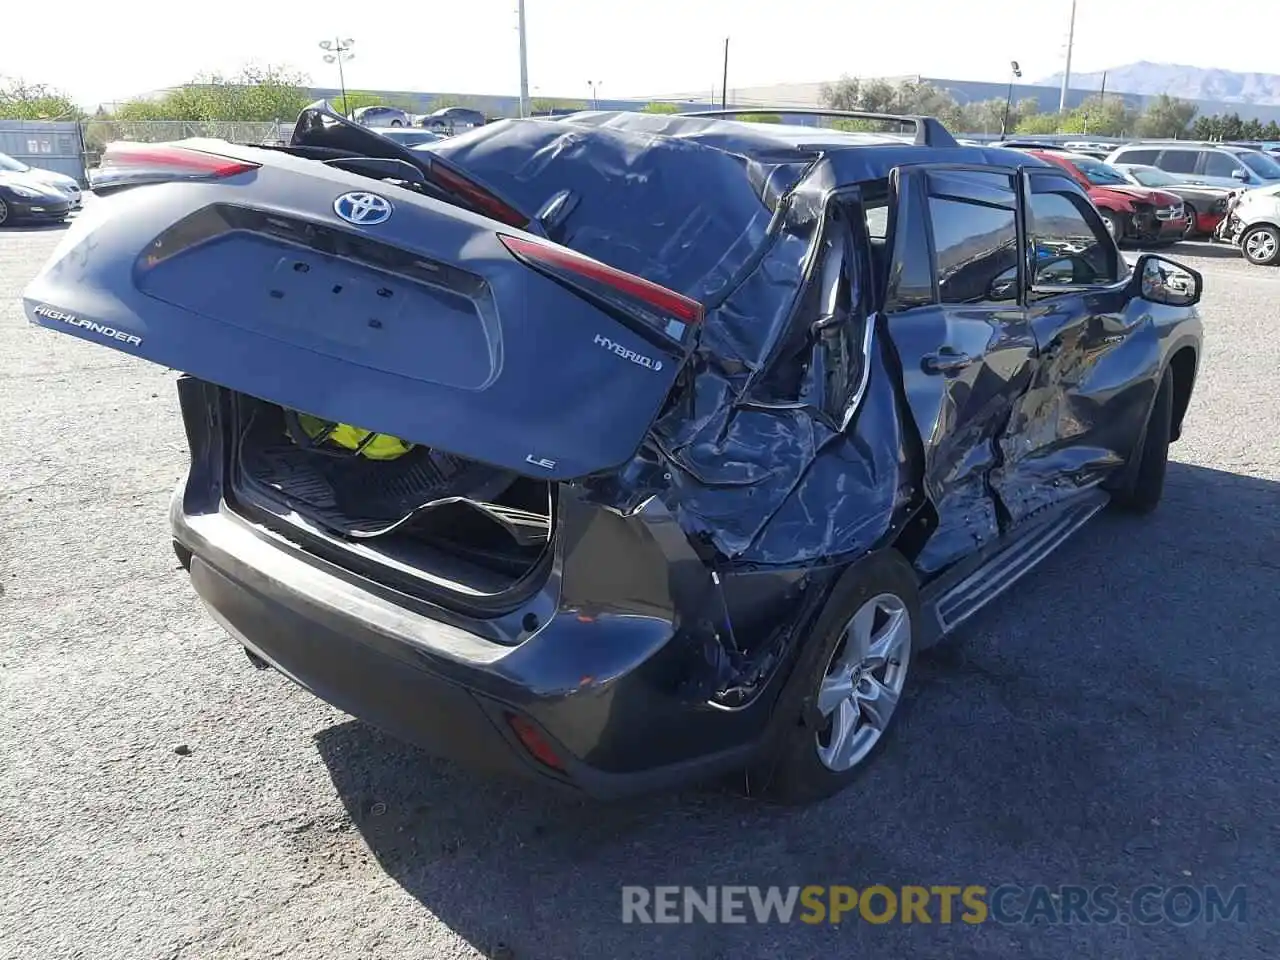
4,211
863,682
1111,226
1261,246
1191,222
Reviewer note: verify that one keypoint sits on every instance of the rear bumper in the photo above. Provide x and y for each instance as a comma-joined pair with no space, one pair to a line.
615,724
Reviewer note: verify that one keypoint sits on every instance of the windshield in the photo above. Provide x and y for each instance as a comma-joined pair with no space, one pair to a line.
1097,172
1260,164
1153,177
8,163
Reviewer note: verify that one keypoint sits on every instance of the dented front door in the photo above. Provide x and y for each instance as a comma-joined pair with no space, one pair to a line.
956,316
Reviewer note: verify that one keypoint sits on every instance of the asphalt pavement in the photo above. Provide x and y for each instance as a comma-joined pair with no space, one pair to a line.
1112,721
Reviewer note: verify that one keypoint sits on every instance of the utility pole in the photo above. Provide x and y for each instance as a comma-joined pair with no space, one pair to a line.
337,51
1066,74
724,82
524,64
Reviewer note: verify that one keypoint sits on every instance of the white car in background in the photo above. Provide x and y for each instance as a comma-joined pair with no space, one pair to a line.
65,185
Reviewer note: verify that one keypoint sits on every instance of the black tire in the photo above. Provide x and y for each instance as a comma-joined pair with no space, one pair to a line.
1115,225
4,213
1190,211
396,123
789,769
1269,254
1145,484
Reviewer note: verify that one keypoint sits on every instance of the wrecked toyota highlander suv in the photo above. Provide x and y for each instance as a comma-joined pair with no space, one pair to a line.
618,449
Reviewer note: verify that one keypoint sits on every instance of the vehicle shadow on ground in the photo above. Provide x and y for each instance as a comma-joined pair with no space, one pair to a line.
1108,721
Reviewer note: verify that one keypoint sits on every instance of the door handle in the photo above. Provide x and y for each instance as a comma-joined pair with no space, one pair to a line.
945,361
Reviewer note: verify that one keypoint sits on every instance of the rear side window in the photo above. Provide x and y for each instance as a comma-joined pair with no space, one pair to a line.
1147,157
1179,161
1219,165
975,251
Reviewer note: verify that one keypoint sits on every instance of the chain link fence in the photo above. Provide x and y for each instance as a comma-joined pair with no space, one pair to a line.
98,133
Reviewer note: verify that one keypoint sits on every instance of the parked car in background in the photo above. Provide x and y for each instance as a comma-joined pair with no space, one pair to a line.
68,186
1213,163
1131,212
1090,148
1204,204
453,119
379,116
409,136
27,198
818,440
1253,224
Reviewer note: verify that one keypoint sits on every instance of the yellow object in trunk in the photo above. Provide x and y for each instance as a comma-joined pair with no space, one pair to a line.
375,446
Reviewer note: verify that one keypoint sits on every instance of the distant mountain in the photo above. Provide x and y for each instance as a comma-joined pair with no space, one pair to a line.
1188,83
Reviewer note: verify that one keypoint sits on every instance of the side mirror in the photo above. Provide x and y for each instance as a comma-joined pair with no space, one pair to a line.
1163,281
1239,173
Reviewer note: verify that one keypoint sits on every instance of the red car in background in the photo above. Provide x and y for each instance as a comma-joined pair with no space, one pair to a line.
1131,212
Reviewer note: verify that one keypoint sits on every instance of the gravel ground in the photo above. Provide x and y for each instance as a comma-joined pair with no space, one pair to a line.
1114,722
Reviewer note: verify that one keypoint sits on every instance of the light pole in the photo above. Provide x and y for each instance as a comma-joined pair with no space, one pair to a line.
1066,73
594,87
524,62
1015,72
339,51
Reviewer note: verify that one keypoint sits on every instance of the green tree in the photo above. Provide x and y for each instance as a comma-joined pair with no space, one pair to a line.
254,94
1252,129
659,107
1166,116
1038,124
1271,131
354,100
759,117
880,96
548,105
1205,128
20,100
1232,127
1109,117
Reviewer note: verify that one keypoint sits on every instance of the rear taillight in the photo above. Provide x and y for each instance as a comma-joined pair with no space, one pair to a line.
126,164
672,313
477,196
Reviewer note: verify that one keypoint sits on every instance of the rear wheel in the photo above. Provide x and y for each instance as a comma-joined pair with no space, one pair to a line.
836,709
4,213
1261,245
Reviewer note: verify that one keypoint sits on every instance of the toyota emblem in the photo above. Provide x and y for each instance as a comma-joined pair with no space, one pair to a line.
363,209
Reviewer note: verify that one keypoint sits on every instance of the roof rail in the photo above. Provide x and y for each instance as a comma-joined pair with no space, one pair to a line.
929,131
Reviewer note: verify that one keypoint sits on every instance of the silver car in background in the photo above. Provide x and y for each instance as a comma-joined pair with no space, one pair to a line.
1218,164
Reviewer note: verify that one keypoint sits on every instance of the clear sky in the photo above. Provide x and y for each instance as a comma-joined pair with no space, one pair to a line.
127,47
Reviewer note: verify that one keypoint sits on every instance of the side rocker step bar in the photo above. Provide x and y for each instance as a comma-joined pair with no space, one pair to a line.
970,585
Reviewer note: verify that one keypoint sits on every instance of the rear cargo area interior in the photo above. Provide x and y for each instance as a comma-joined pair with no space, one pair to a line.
457,523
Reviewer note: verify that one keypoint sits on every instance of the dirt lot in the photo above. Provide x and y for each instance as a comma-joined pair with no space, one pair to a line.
1116,721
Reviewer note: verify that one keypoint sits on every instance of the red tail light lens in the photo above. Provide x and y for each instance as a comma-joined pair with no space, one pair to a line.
477,196
129,164
561,260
